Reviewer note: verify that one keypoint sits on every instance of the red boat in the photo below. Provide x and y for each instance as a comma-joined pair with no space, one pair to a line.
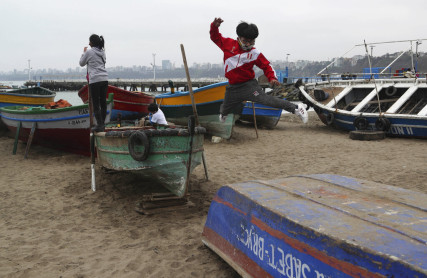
130,105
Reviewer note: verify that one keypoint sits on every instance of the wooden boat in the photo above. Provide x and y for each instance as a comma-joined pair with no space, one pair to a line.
177,108
129,105
65,129
396,106
265,116
35,96
391,104
319,226
166,156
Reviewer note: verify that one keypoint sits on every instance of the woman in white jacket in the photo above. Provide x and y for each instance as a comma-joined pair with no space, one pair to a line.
97,76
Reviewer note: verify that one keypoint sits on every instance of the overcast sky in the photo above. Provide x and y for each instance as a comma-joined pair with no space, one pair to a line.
52,33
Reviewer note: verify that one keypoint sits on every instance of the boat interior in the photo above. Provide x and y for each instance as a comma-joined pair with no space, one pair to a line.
393,98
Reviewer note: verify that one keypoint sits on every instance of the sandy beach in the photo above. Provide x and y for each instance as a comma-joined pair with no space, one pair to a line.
53,225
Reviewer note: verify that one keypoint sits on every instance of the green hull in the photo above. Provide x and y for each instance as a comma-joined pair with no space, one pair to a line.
167,159
212,124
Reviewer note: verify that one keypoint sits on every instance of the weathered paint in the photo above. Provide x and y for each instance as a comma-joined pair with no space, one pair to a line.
65,129
130,105
166,162
30,96
206,94
411,123
265,115
177,107
212,124
319,226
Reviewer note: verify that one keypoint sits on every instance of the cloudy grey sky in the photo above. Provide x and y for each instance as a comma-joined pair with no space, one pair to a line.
52,33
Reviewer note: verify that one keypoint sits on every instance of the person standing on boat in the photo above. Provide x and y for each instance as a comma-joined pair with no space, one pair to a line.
95,59
240,56
156,115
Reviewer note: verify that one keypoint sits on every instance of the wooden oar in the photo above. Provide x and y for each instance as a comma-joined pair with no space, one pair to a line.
256,128
193,104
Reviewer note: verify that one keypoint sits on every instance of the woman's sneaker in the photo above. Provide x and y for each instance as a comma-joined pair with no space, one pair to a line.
302,112
222,118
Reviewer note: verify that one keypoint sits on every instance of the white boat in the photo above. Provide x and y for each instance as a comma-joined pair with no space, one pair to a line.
394,105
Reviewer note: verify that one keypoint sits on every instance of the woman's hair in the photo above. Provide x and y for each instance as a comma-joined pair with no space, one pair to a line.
97,41
248,31
153,107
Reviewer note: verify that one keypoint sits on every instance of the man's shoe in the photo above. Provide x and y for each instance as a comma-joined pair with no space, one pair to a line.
222,118
302,112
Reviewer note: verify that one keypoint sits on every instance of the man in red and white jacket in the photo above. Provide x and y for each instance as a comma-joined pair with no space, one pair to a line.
240,56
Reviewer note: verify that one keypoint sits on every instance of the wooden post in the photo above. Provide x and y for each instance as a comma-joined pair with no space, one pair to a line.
15,144
30,139
91,140
190,87
256,128
193,104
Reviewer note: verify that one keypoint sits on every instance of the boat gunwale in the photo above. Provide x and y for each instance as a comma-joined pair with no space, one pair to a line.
350,113
186,93
12,109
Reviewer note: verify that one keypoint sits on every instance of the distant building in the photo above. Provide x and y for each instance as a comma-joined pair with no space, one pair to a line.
166,65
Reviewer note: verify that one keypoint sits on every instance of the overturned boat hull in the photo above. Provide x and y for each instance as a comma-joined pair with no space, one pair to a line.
319,226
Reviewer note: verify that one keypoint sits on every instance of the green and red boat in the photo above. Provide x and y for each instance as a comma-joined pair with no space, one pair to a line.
65,129
166,156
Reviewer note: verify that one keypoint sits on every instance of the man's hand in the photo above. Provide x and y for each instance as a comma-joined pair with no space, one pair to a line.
274,83
217,22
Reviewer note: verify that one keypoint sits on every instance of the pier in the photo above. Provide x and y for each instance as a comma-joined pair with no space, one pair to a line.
131,85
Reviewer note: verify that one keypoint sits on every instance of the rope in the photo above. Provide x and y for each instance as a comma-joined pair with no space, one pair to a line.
373,78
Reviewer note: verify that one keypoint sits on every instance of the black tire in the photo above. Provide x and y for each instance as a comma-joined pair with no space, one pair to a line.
138,138
361,123
191,124
367,135
382,124
330,118
390,91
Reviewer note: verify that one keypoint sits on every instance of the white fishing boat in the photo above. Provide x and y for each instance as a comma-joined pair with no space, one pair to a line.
373,102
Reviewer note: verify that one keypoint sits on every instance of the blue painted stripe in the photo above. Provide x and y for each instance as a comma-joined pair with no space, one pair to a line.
189,105
49,120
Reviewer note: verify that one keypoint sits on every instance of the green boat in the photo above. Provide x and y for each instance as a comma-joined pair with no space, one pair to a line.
165,155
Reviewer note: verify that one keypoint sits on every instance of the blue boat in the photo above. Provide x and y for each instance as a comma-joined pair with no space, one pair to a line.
265,116
319,226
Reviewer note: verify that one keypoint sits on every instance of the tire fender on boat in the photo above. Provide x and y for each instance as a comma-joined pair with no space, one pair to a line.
390,91
382,124
330,118
135,139
367,135
361,123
